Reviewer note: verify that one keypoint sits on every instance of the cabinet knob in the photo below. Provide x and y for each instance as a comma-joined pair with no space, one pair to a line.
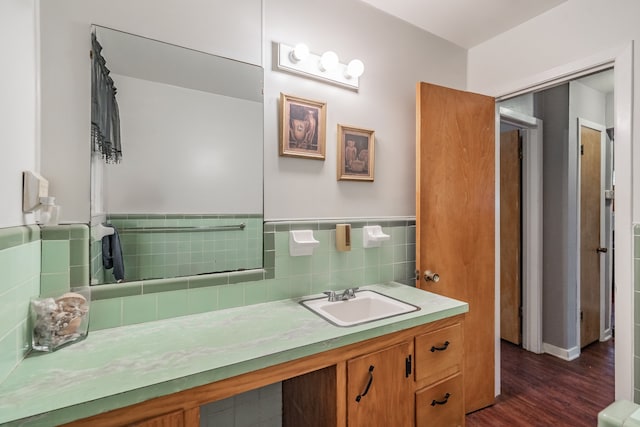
430,276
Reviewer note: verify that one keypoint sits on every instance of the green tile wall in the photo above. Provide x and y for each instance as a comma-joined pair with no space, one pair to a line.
150,254
636,326
283,276
19,282
65,258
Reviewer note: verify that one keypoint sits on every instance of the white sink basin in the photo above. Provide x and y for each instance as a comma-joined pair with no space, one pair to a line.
367,306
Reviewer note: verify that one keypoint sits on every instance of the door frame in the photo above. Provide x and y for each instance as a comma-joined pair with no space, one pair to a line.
532,130
621,59
602,232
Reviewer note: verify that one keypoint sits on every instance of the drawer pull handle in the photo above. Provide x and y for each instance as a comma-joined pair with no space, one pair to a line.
443,348
441,402
366,389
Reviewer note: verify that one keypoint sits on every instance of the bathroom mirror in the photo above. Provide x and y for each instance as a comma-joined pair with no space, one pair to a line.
186,196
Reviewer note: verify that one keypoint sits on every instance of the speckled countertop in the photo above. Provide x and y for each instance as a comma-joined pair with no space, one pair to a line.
117,367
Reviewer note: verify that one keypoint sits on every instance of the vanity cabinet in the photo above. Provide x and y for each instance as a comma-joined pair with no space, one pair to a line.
439,396
441,404
380,388
411,377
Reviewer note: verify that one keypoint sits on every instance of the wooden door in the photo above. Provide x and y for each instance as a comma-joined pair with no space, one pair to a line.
590,200
510,237
379,388
455,219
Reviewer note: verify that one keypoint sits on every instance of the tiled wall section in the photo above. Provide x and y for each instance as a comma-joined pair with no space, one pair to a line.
19,281
65,258
636,327
170,253
256,408
283,276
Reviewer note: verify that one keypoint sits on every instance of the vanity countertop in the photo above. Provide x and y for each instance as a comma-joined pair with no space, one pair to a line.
118,367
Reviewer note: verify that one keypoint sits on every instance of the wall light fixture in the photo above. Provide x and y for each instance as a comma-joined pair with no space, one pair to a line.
299,60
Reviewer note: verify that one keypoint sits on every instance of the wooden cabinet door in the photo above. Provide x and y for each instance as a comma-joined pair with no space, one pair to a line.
438,354
380,388
455,219
441,405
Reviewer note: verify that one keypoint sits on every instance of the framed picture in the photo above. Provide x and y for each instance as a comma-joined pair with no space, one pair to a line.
302,128
355,153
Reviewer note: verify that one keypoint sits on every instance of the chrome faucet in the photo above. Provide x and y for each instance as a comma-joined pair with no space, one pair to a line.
332,296
347,294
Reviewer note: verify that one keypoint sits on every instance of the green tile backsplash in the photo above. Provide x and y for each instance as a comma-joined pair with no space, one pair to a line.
65,258
283,276
19,282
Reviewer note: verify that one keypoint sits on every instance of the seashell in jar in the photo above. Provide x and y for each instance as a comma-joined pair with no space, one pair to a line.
72,327
71,300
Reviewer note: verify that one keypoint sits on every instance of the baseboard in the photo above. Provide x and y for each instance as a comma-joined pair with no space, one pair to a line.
562,353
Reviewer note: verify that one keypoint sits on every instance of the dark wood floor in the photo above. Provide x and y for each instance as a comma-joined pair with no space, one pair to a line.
543,390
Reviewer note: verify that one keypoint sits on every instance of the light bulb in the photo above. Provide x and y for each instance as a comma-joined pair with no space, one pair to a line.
299,52
328,61
355,68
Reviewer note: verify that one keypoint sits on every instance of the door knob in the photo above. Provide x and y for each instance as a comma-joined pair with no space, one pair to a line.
602,250
430,276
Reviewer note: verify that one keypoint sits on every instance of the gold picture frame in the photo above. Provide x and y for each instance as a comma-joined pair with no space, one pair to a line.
356,153
303,127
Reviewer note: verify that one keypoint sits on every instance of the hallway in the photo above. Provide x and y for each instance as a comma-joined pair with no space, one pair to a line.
542,390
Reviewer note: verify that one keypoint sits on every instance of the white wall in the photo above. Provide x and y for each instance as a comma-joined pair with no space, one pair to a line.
522,104
573,31
18,106
396,56
231,29
206,158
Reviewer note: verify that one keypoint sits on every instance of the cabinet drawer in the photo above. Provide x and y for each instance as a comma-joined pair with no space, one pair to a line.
439,353
441,405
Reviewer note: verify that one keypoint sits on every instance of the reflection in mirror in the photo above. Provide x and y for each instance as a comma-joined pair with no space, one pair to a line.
186,196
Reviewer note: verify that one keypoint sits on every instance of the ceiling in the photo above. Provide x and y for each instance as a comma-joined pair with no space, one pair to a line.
466,23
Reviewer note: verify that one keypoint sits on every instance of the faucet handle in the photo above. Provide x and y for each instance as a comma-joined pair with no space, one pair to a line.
331,295
350,292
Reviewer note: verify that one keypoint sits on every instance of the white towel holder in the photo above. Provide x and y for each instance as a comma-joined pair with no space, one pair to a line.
99,231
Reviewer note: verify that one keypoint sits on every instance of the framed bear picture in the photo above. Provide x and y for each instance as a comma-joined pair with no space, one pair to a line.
303,127
355,153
